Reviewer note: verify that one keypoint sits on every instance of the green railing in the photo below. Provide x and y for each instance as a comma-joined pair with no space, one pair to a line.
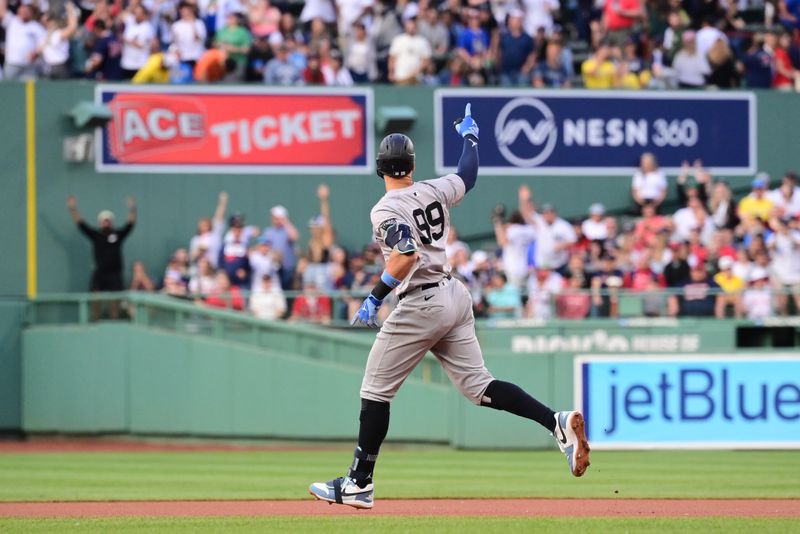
184,317
188,314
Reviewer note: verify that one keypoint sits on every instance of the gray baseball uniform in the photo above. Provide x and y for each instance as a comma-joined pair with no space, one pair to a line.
438,318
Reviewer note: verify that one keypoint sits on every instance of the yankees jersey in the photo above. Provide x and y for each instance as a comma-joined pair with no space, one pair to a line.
425,208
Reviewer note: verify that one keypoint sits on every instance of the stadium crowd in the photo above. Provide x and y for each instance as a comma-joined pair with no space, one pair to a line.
714,256
598,44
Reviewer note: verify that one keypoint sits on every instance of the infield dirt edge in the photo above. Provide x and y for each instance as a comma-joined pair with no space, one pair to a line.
421,507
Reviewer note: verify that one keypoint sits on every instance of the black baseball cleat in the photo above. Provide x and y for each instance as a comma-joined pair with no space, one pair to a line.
343,490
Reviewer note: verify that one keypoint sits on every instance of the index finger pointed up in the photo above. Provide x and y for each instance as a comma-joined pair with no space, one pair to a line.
468,110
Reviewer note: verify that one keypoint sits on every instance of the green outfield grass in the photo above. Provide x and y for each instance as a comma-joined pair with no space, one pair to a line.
401,473
388,525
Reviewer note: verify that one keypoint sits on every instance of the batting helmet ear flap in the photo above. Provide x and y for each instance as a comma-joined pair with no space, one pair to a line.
395,157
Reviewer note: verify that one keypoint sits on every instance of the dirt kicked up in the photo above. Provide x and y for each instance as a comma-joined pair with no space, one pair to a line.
430,507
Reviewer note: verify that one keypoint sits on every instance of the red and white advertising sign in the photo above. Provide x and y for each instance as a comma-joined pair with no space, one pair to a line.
235,129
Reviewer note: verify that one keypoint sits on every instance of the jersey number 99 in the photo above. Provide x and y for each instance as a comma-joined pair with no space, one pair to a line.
430,222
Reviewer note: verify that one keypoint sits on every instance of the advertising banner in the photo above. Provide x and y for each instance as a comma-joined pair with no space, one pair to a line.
694,402
235,130
533,132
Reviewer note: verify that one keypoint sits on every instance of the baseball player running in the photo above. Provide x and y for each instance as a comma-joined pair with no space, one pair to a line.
434,314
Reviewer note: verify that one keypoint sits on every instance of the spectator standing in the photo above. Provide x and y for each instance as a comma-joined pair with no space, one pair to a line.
786,197
348,12
235,40
325,10
649,184
55,47
263,262
409,56
723,70
632,71
758,64
207,241
620,18
386,26
604,285
474,41
263,18
543,286
335,73
104,63
360,56
23,37
757,298
756,205
552,73
281,71
554,236
257,58
784,244
692,218
137,41
672,36
691,67
595,228
189,35
107,248
722,206
732,287
539,14
676,273
233,257
433,29
598,71
786,75
283,235
697,298
516,56
268,301
708,35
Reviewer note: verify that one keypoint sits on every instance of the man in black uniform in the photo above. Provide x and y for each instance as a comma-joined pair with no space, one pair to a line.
107,247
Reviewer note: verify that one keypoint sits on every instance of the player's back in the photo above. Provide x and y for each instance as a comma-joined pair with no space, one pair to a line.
425,208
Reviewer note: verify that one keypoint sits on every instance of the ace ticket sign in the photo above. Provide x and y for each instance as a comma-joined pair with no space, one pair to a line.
235,130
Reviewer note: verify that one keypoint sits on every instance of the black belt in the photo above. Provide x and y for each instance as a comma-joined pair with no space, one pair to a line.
423,287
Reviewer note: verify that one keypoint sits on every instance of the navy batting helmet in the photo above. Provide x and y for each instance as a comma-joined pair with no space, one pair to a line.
395,156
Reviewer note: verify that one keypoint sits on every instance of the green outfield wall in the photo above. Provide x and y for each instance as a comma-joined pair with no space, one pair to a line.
177,370
171,204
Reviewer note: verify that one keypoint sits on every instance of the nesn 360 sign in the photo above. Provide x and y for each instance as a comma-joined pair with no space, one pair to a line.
583,132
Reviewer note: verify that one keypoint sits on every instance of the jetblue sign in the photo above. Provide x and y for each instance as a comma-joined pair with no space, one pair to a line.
528,132
666,402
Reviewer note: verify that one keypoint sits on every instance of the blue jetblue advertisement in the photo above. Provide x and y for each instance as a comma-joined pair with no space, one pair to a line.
530,132
642,402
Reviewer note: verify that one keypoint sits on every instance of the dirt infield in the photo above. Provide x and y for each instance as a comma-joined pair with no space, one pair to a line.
442,507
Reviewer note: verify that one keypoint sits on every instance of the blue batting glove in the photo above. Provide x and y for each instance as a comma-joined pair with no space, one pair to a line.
467,125
368,313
